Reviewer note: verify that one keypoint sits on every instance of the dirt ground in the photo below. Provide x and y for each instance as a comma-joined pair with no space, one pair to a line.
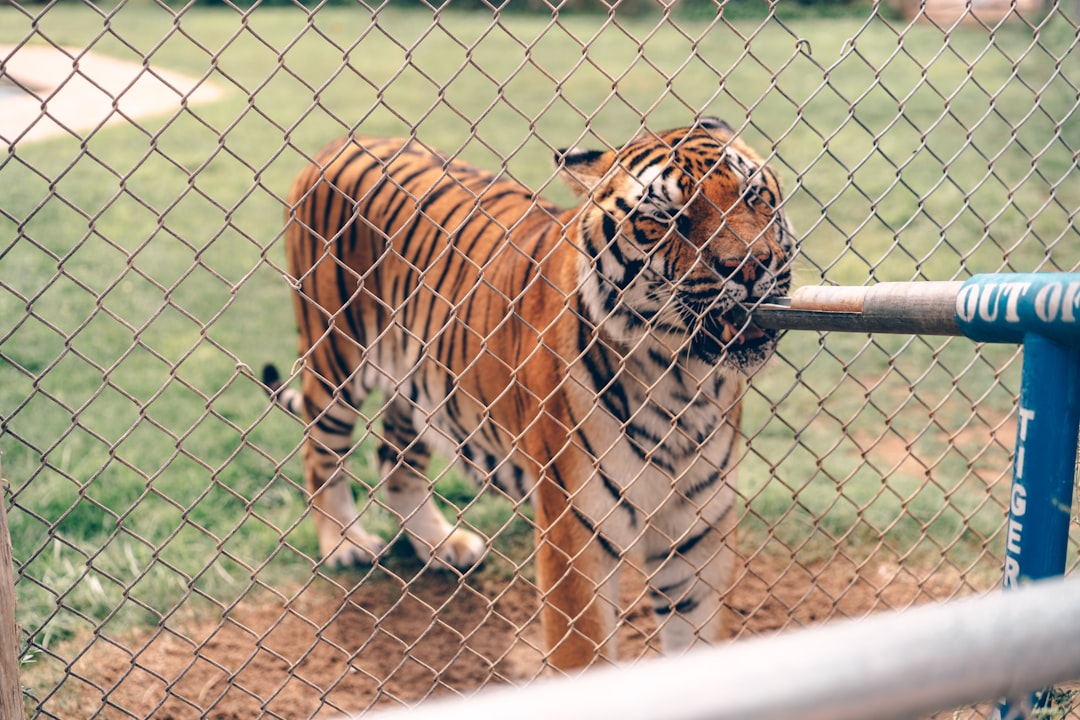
328,650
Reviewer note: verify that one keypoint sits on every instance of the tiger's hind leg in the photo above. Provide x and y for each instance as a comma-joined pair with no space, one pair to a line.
328,442
403,460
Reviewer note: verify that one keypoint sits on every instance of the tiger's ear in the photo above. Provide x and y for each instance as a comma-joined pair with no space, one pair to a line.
710,122
583,170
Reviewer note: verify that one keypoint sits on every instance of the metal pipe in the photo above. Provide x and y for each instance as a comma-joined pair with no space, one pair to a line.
1043,475
988,308
923,308
888,667
1040,505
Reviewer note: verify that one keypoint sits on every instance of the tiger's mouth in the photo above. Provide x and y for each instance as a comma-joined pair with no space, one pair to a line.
733,327
731,336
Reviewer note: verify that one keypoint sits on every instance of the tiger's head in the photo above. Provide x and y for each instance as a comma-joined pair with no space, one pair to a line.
681,234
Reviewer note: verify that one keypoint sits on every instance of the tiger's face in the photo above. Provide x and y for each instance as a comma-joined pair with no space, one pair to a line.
682,233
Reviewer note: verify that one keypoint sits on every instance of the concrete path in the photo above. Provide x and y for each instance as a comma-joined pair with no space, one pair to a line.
78,93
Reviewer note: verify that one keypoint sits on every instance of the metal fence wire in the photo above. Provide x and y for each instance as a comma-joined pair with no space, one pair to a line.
167,554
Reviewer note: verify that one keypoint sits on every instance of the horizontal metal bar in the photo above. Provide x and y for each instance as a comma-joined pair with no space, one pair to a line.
916,308
1000,307
888,667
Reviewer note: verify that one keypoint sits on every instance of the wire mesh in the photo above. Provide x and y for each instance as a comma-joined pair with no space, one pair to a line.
167,558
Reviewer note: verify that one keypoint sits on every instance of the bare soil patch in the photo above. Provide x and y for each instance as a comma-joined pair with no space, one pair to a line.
328,650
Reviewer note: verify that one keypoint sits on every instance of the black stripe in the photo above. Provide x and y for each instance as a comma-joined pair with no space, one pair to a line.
686,605
701,486
589,242
332,425
609,229
613,395
519,479
647,149
691,542
336,453
615,491
578,515
687,545
669,590
387,454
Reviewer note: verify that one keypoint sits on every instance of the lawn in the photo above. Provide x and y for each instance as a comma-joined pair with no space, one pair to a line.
140,272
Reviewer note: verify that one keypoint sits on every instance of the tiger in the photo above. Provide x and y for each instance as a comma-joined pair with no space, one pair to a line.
589,360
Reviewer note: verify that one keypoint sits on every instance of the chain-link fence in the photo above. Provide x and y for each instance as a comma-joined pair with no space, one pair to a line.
167,558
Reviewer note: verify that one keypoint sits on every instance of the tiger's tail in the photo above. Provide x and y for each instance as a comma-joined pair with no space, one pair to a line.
282,395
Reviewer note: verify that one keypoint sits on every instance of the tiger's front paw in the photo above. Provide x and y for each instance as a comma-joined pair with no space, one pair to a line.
357,547
461,550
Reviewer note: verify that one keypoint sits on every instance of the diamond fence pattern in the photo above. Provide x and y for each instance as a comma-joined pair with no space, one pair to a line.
167,561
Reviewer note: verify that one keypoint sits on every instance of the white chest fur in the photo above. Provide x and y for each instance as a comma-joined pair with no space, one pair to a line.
663,437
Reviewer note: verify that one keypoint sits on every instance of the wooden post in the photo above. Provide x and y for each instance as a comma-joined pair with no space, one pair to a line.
11,701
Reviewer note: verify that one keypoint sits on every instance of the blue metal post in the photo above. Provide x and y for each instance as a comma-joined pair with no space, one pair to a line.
1040,506
1044,311
1045,466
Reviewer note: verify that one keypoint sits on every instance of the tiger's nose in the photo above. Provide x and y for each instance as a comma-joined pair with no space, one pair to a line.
747,269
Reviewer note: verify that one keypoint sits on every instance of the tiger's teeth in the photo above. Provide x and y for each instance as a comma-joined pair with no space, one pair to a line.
728,334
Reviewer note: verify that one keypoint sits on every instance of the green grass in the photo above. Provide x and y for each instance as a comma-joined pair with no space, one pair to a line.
140,272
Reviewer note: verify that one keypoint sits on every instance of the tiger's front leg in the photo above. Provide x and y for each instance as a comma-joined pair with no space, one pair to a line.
578,575
690,569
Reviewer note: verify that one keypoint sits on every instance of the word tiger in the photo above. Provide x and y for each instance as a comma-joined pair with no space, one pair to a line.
590,360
